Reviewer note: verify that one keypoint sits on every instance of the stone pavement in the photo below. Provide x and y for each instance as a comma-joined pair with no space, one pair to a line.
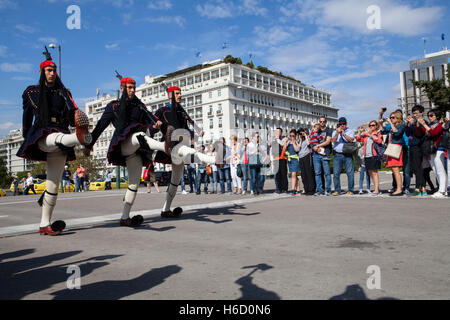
273,248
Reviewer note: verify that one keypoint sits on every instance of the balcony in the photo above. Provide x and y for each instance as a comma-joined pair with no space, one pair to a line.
210,114
219,112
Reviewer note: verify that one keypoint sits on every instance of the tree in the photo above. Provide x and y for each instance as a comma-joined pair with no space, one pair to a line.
5,177
93,167
38,168
436,90
250,65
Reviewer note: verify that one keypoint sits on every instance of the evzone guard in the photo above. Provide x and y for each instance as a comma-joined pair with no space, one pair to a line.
131,144
48,111
175,125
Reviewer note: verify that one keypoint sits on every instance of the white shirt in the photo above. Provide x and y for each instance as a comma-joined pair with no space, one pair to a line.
29,181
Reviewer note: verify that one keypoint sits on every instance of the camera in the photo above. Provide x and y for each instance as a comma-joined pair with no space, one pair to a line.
384,109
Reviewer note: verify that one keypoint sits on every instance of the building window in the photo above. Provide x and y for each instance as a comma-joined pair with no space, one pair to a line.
220,122
219,93
198,79
210,94
211,123
206,76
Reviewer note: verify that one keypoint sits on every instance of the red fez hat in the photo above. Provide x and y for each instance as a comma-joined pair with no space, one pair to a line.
125,81
174,88
47,63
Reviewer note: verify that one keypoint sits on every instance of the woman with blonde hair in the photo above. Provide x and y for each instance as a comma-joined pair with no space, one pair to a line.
395,129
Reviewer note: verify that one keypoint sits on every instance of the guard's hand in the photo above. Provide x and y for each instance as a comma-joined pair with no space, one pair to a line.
202,133
157,125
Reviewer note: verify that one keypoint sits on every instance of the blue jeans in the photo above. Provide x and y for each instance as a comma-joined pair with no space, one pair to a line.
363,173
201,177
245,175
213,180
256,178
192,178
346,160
224,173
318,162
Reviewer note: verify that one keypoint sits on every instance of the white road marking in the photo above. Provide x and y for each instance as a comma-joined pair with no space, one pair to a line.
4,216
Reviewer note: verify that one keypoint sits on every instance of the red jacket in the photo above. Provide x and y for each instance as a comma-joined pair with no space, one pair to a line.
364,137
436,133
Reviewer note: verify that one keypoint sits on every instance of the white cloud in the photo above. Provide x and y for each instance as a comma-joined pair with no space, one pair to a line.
15,67
8,126
228,9
180,21
160,5
112,46
274,35
25,28
396,18
48,40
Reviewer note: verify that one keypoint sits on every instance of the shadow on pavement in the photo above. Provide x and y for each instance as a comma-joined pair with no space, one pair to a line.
113,290
355,292
251,291
20,278
204,215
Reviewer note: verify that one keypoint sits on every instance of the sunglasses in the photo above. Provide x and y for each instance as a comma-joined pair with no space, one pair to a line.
372,125
342,124
393,118
431,115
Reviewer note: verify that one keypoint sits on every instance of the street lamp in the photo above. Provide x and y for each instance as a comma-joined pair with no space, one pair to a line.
53,46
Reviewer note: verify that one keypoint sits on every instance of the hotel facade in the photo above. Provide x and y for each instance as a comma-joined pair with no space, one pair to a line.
225,99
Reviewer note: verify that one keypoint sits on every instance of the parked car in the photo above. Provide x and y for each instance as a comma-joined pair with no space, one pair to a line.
99,184
41,185
20,186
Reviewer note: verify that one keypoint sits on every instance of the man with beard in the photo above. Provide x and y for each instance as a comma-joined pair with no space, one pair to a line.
48,137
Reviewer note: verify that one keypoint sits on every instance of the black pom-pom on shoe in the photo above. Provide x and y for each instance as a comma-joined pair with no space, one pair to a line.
58,225
137,220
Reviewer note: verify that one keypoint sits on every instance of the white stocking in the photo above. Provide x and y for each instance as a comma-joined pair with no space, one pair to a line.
177,171
131,144
134,166
55,168
50,143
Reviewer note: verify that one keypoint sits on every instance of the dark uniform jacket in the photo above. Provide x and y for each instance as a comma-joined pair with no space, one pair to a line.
137,121
60,119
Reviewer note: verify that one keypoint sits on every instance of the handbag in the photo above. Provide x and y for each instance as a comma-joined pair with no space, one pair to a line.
208,170
380,149
445,140
349,147
145,174
428,146
239,172
393,150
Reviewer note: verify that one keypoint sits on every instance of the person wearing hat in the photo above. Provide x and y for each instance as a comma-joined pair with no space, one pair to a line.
341,135
131,146
48,111
66,179
175,125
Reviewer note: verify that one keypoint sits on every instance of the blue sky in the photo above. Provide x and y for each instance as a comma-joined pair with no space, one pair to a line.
325,43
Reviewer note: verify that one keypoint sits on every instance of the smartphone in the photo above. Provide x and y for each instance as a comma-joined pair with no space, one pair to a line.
384,109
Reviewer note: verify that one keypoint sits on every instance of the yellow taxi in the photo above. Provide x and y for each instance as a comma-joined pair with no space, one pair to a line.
2,193
41,185
99,184
20,186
